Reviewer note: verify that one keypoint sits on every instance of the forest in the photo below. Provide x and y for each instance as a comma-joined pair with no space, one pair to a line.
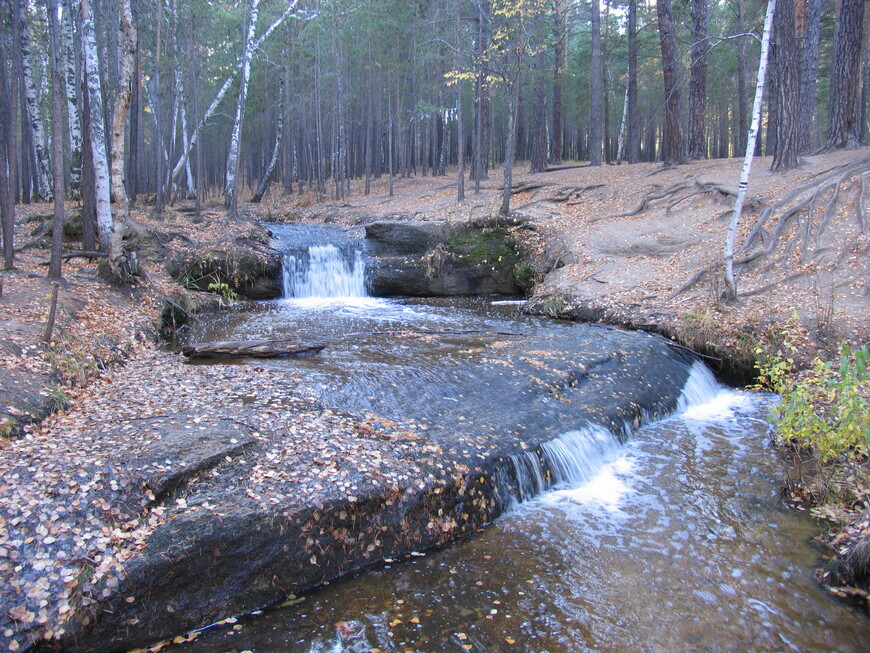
216,101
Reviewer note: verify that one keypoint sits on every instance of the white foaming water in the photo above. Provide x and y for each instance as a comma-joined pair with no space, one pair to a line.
325,272
585,466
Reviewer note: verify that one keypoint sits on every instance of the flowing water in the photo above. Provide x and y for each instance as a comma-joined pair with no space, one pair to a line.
674,541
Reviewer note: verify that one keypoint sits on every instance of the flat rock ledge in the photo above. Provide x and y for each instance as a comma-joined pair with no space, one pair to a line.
243,515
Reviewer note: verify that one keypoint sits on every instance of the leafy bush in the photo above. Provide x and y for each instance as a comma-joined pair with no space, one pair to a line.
825,409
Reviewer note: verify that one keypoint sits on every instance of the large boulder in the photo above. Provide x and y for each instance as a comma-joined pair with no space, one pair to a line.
430,260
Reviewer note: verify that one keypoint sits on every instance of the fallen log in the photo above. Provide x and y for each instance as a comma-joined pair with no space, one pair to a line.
254,348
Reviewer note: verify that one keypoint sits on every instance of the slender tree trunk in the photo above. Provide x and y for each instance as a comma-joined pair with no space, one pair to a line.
122,265
7,162
460,134
513,95
96,126
71,92
786,72
155,99
539,116
698,80
674,151
620,148
231,190
279,132
595,115
560,16
57,92
40,147
89,189
730,281
742,120
631,97
844,128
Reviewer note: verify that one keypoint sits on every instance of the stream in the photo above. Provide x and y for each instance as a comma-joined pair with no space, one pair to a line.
673,541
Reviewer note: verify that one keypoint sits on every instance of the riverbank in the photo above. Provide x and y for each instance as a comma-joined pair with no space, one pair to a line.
94,496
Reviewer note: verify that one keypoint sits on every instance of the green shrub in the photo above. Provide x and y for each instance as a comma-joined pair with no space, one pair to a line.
825,409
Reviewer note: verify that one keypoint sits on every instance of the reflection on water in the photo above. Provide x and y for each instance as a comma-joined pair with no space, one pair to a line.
677,545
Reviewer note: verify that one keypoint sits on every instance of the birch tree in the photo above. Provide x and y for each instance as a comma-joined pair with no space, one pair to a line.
273,160
71,86
34,118
122,265
215,103
95,126
231,190
730,281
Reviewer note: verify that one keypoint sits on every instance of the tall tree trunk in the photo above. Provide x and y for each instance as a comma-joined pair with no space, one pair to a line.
742,120
513,94
674,151
809,72
230,189
121,264
25,176
595,116
460,134
95,126
279,133
7,161
786,72
71,91
57,92
155,99
844,128
698,80
560,15
480,148
539,115
728,254
40,147
633,155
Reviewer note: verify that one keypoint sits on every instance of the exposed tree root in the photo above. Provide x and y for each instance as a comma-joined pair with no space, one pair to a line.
802,198
692,187
569,194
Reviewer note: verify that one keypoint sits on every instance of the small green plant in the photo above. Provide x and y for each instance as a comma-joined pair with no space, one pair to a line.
527,276
825,409
223,289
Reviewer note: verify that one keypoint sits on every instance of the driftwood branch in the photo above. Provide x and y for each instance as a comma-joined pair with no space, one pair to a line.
253,348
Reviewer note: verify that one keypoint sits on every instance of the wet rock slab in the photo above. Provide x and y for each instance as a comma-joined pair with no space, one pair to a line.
235,487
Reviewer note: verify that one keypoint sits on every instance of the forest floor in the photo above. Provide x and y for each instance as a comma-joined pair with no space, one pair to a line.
656,269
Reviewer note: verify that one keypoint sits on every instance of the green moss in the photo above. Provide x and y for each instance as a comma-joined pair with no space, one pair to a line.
482,246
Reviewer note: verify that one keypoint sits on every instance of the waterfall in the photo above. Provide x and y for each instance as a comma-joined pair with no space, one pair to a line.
576,457
324,271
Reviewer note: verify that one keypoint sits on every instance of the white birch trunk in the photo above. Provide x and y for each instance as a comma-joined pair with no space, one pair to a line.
96,126
620,148
40,146
191,187
730,283
194,137
279,133
72,108
231,191
120,264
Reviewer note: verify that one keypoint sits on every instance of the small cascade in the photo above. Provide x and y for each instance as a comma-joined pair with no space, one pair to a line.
575,458
567,461
324,271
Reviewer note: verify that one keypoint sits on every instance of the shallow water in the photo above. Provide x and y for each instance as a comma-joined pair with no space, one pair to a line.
677,543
